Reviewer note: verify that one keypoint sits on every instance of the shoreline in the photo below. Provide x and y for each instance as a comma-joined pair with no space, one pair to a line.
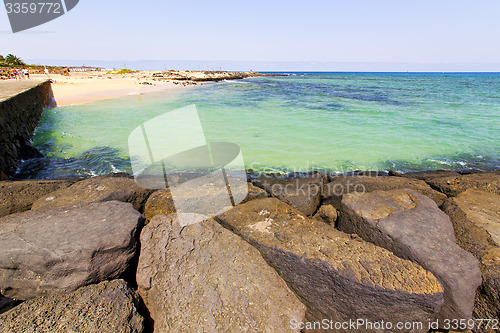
81,88
92,86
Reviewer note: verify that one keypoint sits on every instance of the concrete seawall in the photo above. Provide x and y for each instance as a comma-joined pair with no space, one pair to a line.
21,105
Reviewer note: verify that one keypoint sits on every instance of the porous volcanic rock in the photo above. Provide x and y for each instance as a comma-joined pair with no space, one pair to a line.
109,306
327,213
203,278
302,193
97,189
162,202
336,277
476,219
410,225
18,196
333,191
454,185
59,250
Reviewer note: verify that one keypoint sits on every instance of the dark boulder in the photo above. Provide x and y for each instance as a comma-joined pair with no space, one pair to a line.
203,278
54,251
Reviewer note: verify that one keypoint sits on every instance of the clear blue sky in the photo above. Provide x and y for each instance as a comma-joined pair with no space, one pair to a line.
354,31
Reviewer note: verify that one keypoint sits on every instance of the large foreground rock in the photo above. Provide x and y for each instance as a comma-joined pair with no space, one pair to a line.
453,185
410,225
54,251
302,193
333,191
104,307
476,219
97,189
203,278
18,196
337,277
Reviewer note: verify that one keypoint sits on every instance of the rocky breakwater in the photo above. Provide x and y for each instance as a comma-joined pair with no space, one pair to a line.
394,257
204,76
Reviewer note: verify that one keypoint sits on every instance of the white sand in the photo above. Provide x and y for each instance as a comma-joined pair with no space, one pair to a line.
88,87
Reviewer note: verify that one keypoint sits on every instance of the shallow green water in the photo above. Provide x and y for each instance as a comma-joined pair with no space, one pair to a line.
326,121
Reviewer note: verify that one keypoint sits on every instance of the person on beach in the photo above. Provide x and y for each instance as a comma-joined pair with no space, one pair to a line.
46,71
16,74
26,73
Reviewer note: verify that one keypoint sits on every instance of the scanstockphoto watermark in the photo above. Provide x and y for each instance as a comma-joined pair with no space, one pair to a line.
26,14
364,324
357,324
204,178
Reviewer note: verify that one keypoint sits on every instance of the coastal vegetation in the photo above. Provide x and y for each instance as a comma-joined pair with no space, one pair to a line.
122,71
11,60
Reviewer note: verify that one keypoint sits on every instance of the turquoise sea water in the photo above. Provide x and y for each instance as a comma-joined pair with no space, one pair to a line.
304,121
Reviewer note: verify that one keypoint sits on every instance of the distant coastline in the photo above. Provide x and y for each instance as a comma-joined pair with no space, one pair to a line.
77,87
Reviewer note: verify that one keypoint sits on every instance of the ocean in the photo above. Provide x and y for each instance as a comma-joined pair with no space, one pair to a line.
331,122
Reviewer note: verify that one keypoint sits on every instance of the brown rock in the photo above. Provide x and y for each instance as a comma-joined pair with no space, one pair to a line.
302,193
454,185
476,220
18,196
203,278
160,202
336,277
254,193
411,226
109,306
97,189
333,191
206,199
429,175
327,213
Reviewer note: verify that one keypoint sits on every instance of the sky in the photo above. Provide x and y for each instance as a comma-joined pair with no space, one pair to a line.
377,35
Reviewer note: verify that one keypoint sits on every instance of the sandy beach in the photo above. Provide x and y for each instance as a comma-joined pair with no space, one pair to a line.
85,87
